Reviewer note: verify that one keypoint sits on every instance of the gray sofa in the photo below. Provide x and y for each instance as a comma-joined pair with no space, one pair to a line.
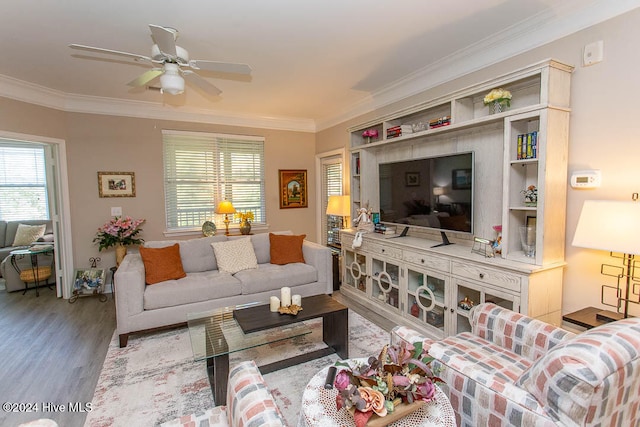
7,235
141,307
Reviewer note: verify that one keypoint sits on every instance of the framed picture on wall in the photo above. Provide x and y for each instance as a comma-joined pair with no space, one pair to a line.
116,184
293,188
412,179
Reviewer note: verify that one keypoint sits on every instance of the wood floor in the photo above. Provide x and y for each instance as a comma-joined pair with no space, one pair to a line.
52,351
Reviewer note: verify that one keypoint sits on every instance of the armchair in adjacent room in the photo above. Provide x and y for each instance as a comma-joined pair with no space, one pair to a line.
513,370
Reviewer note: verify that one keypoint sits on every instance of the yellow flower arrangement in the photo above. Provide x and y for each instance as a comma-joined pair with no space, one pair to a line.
500,95
245,216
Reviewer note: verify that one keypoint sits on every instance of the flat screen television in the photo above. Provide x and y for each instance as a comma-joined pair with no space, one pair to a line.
433,192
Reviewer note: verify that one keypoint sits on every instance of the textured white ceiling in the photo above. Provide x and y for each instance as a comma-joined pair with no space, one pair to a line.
311,59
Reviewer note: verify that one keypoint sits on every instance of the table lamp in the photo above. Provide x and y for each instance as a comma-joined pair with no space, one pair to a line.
613,226
339,206
225,207
438,191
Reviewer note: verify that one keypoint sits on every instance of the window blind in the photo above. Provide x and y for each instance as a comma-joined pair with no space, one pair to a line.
331,186
23,182
202,169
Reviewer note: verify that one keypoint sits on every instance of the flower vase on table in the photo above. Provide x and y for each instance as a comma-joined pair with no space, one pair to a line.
245,221
119,232
498,100
245,227
121,252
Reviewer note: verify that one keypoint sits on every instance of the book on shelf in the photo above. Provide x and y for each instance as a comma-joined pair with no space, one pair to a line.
439,122
527,146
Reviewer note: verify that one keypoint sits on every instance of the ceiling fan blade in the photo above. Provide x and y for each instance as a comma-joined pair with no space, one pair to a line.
201,83
135,56
165,39
222,67
146,77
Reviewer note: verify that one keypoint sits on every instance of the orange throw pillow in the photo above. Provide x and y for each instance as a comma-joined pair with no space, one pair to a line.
285,249
162,264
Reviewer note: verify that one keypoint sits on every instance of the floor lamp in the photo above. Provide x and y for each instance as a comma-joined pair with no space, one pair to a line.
225,207
613,226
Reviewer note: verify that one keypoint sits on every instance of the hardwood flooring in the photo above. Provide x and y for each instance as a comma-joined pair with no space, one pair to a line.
51,353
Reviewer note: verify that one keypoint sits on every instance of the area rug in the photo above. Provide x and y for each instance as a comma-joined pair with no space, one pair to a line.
155,379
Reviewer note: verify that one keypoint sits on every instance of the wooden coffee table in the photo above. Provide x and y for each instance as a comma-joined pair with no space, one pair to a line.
237,328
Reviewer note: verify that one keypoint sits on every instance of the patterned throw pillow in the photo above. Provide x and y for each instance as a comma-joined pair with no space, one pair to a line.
27,234
235,255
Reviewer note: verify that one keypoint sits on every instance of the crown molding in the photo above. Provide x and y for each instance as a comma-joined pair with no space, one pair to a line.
566,18
20,90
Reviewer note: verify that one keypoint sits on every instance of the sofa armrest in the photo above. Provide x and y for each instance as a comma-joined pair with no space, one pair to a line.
523,335
130,286
319,257
249,401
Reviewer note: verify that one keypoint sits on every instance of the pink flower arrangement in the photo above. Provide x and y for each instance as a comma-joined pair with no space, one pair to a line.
399,374
119,231
370,133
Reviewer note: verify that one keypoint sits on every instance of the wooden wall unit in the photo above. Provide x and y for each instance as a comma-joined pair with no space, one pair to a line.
540,104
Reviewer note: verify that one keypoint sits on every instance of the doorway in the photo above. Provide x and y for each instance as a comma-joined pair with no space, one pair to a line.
57,191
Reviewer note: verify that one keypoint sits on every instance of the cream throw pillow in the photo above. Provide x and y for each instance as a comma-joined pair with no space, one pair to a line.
27,234
235,255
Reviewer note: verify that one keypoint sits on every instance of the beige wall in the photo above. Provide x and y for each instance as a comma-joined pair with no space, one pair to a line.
108,143
604,134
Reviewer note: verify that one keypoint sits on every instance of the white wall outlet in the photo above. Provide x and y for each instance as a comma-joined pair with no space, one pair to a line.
593,53
116,211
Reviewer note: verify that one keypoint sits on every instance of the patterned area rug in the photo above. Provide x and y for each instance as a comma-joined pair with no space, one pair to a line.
155,379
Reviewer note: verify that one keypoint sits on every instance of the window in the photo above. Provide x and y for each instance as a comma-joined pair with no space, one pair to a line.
202,169
331,186
23,183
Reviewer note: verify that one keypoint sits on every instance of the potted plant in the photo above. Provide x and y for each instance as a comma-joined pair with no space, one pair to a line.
119,232
498,100
530,196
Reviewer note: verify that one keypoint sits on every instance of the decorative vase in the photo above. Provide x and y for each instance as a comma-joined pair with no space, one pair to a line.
530,203
245,227
121,251
498,107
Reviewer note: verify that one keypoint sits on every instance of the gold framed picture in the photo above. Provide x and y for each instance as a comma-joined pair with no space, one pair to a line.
116,184
293,188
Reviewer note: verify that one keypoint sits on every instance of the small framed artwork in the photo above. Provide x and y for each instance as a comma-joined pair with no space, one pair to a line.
461,179
293,188
88,280
116,184
412,179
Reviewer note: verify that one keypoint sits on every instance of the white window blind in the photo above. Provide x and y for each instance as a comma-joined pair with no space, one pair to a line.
23,183
331,186
202,169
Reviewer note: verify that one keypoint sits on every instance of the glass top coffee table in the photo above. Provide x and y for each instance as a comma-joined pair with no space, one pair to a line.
216,334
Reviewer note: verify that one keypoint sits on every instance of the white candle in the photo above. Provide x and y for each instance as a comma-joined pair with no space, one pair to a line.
274,304
296,300
285,296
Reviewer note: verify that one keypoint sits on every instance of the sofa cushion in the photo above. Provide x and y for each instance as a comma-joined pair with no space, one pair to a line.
261,245
27,234
286,249
269,277
12,228
162,264
196,287
235,255
196,254
3,233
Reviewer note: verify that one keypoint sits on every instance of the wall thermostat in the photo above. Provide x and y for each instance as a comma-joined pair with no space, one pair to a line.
586,179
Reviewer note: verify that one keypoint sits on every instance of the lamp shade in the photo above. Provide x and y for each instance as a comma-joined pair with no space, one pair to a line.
338,205
438,191
225,207
171,81
609,225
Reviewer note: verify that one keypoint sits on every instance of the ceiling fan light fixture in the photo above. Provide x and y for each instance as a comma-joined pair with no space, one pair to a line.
171,81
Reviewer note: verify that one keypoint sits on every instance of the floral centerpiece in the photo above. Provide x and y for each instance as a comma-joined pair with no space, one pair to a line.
370,133
530,196
119,232
400,375
245,219
498,98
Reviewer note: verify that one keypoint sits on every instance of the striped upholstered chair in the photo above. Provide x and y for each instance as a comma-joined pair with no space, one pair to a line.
512,370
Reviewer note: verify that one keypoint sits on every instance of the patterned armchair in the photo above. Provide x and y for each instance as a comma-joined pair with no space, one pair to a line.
512,370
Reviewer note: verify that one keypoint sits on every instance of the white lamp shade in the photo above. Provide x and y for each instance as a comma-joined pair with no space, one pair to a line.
225,207
338,205
438,191
171,81
609,225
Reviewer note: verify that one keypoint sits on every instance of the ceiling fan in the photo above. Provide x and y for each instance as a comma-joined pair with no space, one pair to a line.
169,61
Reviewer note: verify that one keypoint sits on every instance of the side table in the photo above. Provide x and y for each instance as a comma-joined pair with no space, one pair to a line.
36,273
586,318
319,408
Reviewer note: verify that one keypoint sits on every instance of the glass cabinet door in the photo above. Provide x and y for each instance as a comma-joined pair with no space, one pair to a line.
385,282
355,271
426,298
467,295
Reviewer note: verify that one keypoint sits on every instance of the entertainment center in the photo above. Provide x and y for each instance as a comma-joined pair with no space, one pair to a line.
411,174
